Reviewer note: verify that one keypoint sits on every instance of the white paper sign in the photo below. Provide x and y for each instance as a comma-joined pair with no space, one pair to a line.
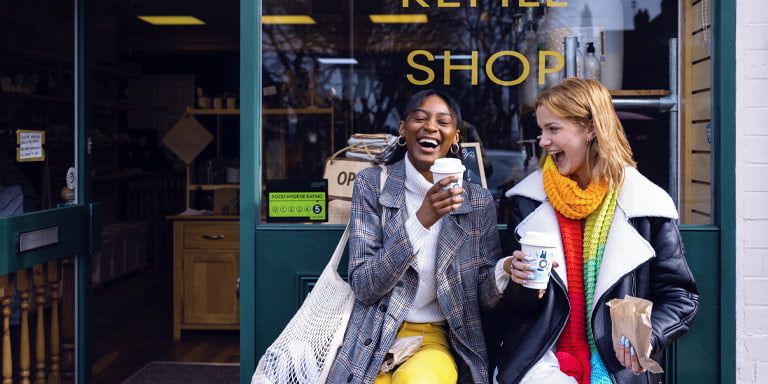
30,145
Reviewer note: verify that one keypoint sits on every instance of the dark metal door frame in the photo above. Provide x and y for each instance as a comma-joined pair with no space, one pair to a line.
72,230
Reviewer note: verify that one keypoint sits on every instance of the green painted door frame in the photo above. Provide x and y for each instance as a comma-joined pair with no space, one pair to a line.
705,355
724,175
250,182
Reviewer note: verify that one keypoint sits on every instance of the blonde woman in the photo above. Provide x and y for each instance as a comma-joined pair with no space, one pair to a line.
619,236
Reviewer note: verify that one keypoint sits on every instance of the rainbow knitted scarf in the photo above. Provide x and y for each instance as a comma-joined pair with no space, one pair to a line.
576,349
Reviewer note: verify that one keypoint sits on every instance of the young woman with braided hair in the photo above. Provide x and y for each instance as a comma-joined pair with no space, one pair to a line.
619,236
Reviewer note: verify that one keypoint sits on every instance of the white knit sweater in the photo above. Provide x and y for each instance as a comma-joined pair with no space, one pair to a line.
425,308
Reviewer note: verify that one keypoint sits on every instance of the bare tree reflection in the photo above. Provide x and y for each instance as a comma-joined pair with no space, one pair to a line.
370,94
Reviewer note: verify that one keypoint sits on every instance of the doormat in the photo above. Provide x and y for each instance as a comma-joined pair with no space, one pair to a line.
169,372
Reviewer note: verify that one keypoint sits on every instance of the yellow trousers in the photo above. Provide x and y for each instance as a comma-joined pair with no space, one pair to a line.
432,364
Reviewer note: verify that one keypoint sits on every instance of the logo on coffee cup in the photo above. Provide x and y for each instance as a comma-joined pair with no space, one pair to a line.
542,267
543,262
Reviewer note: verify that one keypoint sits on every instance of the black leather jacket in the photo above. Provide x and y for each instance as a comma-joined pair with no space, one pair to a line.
528,326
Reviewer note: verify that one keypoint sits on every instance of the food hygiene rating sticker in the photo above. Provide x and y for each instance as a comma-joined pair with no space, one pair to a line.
297,201
297,204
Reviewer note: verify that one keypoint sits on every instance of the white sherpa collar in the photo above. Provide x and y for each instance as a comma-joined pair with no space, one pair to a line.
638,197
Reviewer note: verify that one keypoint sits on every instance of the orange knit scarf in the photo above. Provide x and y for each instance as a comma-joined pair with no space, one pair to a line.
566,196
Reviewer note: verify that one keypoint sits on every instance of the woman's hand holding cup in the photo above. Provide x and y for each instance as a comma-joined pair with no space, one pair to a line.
439,201
521,268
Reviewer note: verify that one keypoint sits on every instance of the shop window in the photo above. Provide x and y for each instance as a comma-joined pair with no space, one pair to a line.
36,106
346,68
697,129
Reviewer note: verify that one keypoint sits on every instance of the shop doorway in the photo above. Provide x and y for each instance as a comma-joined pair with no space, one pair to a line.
158,73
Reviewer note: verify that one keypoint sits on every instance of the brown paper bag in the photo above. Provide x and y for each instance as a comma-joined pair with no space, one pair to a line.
402,348
631,318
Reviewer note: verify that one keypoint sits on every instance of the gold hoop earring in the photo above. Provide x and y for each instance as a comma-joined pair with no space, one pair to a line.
401,143
455,148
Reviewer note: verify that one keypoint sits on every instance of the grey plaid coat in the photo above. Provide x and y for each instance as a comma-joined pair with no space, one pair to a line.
385,284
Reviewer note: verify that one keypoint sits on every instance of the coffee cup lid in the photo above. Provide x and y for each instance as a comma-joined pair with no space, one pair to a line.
539,239
447,165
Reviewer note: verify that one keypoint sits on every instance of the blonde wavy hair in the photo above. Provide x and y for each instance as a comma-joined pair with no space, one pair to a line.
587,102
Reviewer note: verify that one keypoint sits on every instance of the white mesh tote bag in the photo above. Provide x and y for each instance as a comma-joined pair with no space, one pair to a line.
305,349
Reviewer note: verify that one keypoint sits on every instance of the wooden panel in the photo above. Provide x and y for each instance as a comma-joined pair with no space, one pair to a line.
209,288
702,15
211,235
178,278
702,75
701,166
695,112
701,106
696,138
697,218
701,48
698,198
687,23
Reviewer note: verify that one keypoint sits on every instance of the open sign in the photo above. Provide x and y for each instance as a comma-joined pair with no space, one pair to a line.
341,175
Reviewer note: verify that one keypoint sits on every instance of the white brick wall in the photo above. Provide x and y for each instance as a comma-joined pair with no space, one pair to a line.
752,191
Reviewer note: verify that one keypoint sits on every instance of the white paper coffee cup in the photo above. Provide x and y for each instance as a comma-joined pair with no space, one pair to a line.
541,248
448,166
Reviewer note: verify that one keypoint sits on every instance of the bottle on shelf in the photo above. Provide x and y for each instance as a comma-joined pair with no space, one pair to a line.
591,63
579,62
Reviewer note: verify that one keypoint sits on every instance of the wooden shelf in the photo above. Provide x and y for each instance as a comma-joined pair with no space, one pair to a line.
195,111
213,187
296,111
274,114
639,92
190,186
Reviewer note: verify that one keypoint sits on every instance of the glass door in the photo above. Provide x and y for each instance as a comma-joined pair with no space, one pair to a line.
47,221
